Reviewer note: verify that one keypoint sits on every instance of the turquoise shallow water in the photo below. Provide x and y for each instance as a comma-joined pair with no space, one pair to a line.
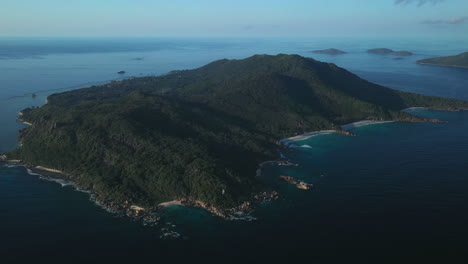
396,189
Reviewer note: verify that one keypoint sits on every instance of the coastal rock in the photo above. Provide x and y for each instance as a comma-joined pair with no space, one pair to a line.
286,163
170,235
241,212
298,183
346,133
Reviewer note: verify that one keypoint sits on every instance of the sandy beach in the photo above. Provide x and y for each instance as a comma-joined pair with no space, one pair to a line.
363,123
415,108
26,123
48,169
290,140
171,203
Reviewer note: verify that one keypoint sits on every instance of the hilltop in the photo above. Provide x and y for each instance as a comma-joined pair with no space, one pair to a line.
200,134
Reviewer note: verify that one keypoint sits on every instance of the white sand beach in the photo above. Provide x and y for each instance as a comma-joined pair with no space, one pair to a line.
26,123
363,123
48,169
171,203
415,108
137,208
289,140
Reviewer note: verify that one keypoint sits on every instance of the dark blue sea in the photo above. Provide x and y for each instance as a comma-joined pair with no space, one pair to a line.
396,191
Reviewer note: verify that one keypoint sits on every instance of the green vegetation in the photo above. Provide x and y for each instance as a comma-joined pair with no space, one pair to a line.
460,60
194,133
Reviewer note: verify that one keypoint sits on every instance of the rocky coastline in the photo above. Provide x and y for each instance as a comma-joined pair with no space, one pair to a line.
151,216
148,216
298,183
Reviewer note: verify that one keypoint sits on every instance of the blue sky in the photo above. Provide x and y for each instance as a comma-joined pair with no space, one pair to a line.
236,18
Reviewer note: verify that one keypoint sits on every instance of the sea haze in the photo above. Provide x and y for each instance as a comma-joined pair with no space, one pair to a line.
395,189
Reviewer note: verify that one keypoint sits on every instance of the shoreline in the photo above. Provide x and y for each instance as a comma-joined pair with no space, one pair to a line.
416,108
150,215
41,168
363,123
288,142
24,122
171,203
20,114
434,109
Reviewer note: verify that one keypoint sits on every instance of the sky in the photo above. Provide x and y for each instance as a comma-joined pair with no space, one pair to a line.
233,18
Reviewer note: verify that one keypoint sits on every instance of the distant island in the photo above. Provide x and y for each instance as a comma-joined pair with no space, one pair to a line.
198,136
460,60
384,51
329,51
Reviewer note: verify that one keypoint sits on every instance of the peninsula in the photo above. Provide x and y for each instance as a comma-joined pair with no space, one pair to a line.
384,51
460,60
199,135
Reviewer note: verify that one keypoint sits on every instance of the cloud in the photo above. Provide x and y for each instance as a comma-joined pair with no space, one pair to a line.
453,21
420,2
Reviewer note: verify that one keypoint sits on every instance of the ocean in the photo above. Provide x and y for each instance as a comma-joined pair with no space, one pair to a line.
396,190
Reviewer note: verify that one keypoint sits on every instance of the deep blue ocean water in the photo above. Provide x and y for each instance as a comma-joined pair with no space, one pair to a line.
396,189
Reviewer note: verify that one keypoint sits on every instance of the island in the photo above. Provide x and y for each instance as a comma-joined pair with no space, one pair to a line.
460,60
384,51
329,51
197,137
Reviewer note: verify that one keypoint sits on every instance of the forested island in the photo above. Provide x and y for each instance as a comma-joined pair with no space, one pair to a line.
460,60
199,135
329,51
385,51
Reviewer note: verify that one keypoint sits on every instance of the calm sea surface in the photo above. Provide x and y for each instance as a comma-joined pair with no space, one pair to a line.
396,189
